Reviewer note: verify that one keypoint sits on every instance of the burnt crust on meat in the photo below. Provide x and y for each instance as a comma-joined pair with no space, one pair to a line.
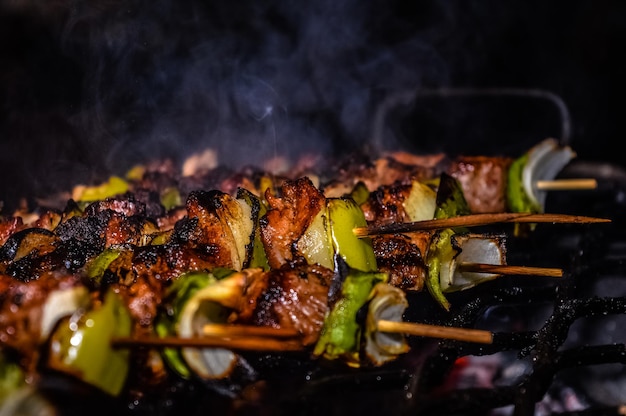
289,215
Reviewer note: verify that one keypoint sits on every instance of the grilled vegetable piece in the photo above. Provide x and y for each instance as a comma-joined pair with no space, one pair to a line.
471,248
96,267
170,198
450,203
80,346
196,299
400,202
386,303
421,202
225,225
360,193
449,249
257,256
450,200
345,215
211,304
175,298
542,162
316,243
440,252
114,186
61,303
342,331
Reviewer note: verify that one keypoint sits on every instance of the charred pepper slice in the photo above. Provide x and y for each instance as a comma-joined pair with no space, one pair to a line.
450,202
196,299
256,256
181,290
439,252
342,331
81,345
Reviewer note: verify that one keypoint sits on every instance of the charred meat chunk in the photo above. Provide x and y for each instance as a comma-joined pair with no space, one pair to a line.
289,215
401,256
292,298
484,181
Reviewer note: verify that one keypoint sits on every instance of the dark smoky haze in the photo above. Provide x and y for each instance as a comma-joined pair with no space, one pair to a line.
88,89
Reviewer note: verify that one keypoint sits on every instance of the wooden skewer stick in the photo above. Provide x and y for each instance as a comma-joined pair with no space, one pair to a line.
474,220
221,330
511,270
566,184
274,339
248,343
436,331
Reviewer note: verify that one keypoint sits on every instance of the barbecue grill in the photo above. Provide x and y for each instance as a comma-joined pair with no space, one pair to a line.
558,348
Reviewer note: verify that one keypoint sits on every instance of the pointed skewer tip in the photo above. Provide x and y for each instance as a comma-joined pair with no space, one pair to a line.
474,220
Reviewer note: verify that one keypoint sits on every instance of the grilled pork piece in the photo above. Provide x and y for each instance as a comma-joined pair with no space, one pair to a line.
402,257
484,181
142,274
395,168
292,297
290,214
212,232
384,205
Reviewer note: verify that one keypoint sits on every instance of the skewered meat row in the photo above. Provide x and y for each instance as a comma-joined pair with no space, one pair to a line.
134,247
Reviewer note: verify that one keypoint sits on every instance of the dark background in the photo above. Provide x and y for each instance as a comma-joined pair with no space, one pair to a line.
90,88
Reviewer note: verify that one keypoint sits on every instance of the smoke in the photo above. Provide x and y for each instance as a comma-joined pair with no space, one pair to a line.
251,80
88,89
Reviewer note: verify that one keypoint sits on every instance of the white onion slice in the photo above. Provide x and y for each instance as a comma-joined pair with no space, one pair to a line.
210,305
388,303
61,303
473,248
421,203
545,161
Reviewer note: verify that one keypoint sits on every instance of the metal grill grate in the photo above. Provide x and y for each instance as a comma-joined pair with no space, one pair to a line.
562,337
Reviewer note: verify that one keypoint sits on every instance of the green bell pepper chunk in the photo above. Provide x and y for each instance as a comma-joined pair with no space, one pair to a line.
450,199
344,216
97,267
439,251
170,198
114,186
181,290
360,193
516,196
341,332
450,203
81,345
